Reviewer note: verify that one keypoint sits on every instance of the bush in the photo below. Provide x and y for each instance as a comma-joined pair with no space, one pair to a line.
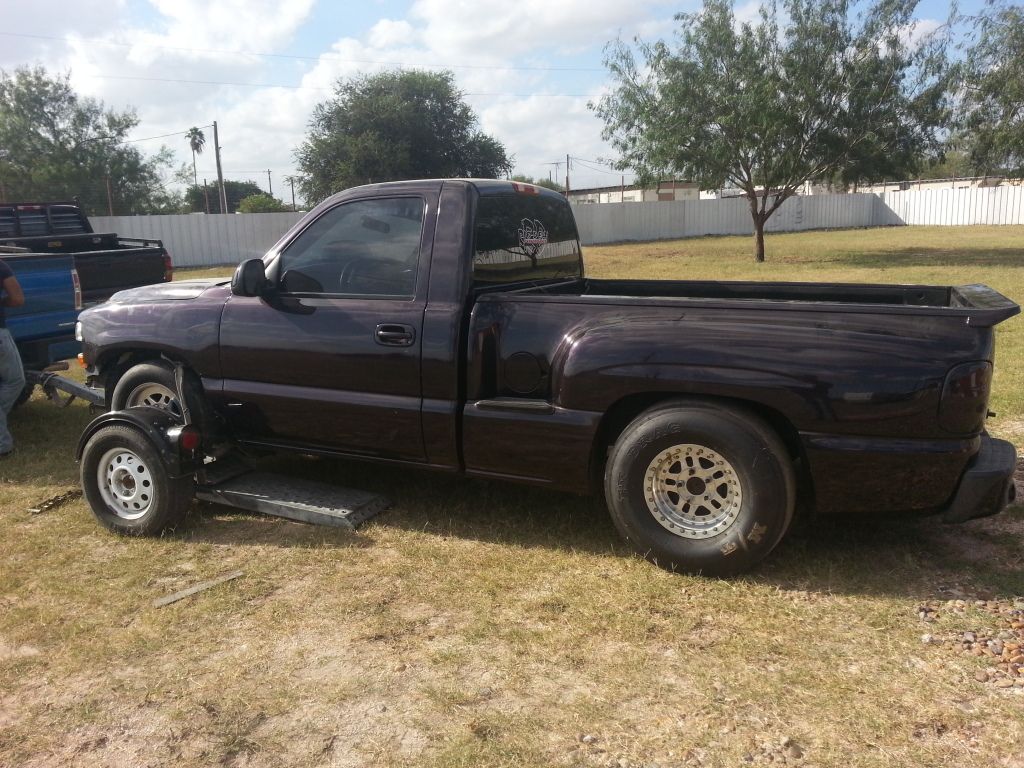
261,203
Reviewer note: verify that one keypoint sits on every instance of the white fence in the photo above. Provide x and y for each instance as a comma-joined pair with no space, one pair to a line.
204,239
198,240
613,222
953,207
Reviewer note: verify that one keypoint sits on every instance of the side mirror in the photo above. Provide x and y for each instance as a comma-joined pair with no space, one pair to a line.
250,279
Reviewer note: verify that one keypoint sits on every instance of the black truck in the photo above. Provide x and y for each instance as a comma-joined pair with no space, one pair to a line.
105,262
449,325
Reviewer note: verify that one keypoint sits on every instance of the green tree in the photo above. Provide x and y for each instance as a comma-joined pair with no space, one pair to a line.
806,92
261,203
196,141
235,191
55,145
992,96
542,182
394,125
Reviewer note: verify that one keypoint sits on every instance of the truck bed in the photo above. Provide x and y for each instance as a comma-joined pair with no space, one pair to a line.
977,305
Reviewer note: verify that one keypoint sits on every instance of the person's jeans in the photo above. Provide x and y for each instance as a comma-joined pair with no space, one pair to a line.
12,382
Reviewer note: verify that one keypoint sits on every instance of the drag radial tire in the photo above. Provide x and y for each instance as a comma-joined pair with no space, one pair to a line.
127,486
700,487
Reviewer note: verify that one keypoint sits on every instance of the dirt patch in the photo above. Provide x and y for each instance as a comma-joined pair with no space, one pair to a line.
1018,479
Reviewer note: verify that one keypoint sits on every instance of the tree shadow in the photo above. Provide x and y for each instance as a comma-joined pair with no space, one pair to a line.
936,257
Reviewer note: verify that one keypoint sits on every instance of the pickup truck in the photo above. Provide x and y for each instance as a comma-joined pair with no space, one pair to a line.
105,262
449,325
62,265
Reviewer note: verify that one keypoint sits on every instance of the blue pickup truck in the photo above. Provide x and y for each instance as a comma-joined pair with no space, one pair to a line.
63,266
44,328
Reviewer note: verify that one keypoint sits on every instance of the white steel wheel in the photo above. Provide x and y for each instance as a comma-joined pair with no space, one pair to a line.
693,491
155,395
125,483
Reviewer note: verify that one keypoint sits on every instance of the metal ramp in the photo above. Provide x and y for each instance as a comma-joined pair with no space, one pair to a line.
306,501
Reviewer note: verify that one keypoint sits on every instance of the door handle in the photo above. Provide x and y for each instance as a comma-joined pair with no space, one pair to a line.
395,335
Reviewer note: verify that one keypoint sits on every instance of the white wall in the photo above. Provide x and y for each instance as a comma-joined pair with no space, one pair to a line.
955,207
204,239
198,240
731,216
615,222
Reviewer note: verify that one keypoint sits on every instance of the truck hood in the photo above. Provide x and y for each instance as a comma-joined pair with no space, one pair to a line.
181,290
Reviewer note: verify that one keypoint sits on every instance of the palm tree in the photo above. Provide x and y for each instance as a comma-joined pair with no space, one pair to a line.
196,141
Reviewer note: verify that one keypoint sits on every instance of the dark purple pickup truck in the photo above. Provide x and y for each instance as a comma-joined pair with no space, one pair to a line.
448,324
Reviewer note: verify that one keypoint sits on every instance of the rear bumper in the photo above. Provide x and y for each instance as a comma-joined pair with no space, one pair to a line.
986,486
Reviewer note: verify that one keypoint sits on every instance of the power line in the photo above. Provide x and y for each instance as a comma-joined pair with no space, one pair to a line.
161,136
327,57
585,164
306,87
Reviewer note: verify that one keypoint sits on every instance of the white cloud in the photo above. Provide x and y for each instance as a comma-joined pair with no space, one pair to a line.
534,113
918,31
236,25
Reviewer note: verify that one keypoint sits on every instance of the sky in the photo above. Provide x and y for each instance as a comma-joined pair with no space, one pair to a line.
258,67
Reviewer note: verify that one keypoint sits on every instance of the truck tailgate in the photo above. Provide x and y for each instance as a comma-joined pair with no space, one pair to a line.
104,273
49,308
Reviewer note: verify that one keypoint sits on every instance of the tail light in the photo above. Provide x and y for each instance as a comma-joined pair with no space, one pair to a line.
964,404
78,288
525,189
168,268
188,438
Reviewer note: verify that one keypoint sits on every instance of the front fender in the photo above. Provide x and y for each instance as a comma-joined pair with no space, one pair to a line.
160,426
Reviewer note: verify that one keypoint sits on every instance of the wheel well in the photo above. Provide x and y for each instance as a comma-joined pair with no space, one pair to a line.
622,412
117,364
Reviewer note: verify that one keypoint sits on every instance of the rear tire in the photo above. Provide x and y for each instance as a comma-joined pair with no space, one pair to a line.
127,485
699,487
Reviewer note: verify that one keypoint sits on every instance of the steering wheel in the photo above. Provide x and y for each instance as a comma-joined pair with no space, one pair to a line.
349,271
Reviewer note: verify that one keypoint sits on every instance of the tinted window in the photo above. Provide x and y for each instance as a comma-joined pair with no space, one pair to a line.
366,248
524,237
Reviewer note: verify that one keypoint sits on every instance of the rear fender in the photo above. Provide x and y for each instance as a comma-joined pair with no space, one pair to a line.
160,427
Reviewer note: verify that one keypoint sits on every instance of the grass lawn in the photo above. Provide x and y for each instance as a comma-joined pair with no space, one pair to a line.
478,623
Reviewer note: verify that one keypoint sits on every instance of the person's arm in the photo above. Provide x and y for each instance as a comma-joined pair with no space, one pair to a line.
14,296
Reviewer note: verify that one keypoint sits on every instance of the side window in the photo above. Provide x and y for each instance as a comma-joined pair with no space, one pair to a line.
363,248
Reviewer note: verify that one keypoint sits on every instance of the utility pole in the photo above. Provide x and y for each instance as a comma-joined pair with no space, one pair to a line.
270,186
291,180
110,198
622,189
220,173
206,194
566,175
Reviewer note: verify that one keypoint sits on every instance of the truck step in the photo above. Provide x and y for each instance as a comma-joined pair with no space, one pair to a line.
307,501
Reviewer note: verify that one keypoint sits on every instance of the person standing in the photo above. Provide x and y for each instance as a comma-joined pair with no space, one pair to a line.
12,376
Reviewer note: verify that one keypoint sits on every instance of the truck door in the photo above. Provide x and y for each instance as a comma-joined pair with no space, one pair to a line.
331,357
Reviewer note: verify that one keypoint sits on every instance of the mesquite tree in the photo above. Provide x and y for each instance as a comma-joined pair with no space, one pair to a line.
811,90
395,125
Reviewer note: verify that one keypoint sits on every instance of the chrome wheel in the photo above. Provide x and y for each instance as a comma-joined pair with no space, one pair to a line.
155,396
125,483
692,491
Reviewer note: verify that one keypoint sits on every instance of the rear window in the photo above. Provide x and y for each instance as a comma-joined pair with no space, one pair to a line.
524,237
